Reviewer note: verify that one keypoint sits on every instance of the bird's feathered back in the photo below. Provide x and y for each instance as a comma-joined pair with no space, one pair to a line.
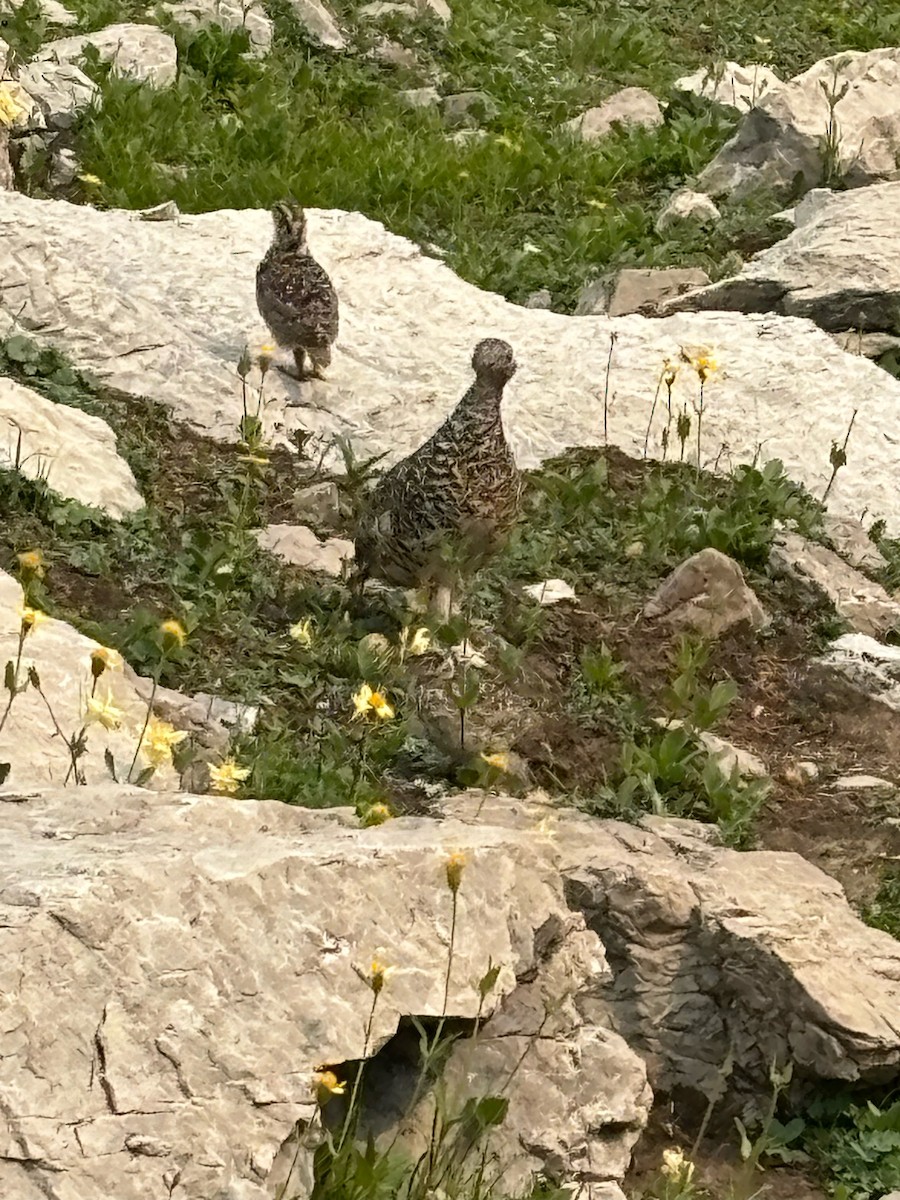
295,297
461,486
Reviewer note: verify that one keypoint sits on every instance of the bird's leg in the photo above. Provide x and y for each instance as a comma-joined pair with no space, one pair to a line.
320,360
299,372
442,603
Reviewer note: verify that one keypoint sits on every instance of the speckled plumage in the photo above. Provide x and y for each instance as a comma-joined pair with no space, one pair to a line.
295,297
460,489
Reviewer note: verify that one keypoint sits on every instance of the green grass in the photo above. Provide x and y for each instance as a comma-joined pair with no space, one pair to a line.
525,208
884,911
191,554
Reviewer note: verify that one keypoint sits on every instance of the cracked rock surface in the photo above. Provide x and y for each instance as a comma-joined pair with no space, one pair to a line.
180,968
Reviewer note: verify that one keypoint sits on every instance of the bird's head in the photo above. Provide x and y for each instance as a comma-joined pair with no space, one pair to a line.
493,361
290,224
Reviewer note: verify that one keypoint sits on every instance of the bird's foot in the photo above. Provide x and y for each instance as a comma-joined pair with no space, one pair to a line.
292,373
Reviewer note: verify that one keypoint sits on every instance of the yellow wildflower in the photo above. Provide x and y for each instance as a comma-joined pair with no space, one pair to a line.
366,700
158,740
326,1084
31,563
103,712
704,364
104,659
174,634
499,761
265,356
676,1166
10,108
669,372
415,643
31,618
91,180
226,778
302,632
377,814
454,867
378,975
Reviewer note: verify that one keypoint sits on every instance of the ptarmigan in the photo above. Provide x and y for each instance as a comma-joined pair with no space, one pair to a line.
295,297
454,499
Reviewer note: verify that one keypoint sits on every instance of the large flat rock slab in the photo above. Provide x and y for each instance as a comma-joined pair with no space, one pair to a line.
782,137
163,309
30,742
717,952
840,267
174,969
74,452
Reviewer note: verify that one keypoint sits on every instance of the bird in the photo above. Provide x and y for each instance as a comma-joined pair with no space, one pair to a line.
294,294
453,500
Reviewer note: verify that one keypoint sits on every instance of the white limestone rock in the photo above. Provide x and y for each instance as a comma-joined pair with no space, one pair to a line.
299,546
216,971
73,451
719,952
228,14
57,92
730,84
141,52
686,207
706,592
29,740
52,11
863,604
782,136
840,266
628,107
319,22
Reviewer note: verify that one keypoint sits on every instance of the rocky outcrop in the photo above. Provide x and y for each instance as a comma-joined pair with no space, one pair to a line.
109,290
862,603
712,948
730,84
706,592
228,14
34,733
54,94
635,289
840,267
853,543
72,451
871,666
781,139
216,973
629,107
141,52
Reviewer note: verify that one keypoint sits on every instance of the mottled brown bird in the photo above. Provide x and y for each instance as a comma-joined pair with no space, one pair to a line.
295,297
453,500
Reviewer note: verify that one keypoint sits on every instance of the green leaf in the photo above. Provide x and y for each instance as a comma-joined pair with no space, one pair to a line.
21,349
488,979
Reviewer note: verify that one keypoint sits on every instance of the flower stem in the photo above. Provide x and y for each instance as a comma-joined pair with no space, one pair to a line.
149,713
357,1082
13,691
450,957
